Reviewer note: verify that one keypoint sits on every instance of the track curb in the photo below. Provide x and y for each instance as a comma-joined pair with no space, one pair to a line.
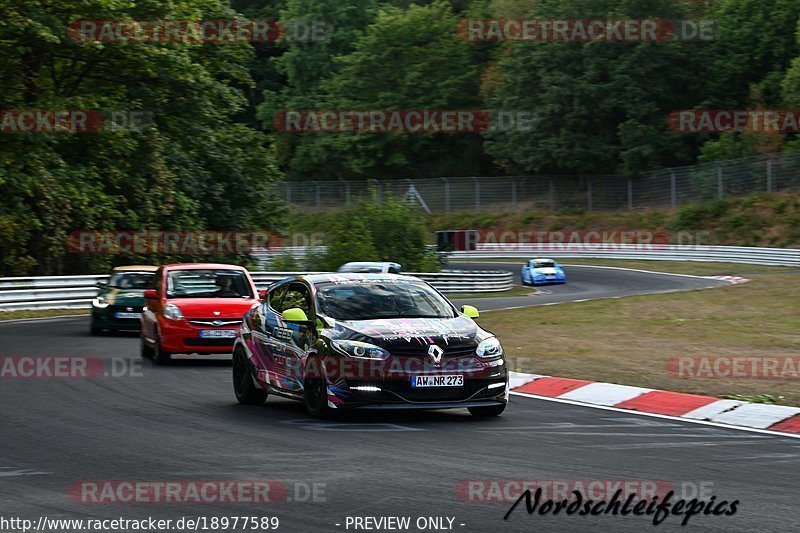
778,419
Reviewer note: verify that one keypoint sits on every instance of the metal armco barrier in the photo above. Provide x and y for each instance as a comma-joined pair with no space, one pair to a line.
76,292
660,252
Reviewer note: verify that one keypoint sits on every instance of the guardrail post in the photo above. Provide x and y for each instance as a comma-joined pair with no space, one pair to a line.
630,195
477,194
673,188
720,186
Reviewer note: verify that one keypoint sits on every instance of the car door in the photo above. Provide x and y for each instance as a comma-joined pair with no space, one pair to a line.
152,308
285,345
295,339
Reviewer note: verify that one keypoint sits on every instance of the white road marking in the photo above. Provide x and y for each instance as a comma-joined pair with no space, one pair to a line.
653,415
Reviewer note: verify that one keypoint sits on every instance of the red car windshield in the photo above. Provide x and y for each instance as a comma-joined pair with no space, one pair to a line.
208,284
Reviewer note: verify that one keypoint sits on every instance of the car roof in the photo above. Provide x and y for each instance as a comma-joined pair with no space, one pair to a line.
135,268
370,264
353,276
203,266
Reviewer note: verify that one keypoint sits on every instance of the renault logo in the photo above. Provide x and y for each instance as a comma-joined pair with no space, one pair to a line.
216,313
435,353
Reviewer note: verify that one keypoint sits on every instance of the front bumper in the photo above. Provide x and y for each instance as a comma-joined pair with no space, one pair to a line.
483,385
180,336
105,318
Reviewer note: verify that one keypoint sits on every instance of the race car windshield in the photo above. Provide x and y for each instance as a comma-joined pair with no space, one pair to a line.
375,299
208,284
131,280
544,264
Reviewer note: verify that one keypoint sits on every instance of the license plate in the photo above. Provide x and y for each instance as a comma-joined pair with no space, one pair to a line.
128,315
437,381
217,333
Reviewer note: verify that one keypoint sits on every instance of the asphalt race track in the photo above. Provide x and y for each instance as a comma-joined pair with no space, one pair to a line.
181,422
588,283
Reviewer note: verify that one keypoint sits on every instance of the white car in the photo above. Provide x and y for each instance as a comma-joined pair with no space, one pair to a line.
371,267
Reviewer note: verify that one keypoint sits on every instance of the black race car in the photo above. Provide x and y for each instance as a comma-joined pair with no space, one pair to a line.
366,341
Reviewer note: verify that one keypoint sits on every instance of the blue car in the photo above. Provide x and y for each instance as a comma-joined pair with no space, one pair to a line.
542,271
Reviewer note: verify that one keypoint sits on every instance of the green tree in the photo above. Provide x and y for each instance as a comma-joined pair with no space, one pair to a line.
597,107
409,59
391,230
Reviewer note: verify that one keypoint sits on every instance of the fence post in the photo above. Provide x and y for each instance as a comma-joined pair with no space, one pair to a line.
477,194
673,189
446,195
769,175
551,194
346,191
513,194
720,191
630,195
589,194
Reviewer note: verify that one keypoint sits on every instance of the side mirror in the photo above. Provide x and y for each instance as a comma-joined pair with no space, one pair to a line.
101,284
295,315
150,294
470,311
262,294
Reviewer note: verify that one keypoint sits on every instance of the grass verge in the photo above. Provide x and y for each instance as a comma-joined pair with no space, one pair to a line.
41,313
631,340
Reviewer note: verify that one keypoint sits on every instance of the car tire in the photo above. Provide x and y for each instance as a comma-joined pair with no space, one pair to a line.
490,410
160,357
243,387
144,350
94,330
315,391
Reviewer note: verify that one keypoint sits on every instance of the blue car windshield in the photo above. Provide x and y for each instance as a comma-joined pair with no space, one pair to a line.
378,298
544,264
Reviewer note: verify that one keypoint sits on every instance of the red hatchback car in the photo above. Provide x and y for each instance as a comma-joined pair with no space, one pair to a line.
195,308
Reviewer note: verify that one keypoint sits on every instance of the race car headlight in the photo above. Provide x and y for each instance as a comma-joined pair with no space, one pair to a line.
361,350
100,302
489,349
173,312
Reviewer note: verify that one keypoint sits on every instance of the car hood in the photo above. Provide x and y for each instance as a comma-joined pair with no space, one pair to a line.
213,307
409,331
127,297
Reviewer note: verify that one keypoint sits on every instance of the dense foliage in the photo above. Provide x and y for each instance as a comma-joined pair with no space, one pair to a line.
209,153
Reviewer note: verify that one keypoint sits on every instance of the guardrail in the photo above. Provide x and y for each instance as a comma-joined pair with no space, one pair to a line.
660,252
76,292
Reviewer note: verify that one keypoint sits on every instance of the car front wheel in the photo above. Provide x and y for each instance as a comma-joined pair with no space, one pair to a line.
246,391
315,391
